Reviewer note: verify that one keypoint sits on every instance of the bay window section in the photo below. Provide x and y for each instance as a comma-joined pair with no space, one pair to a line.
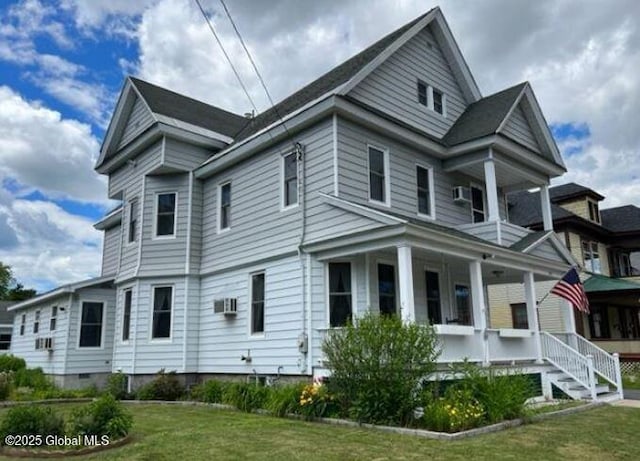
166,215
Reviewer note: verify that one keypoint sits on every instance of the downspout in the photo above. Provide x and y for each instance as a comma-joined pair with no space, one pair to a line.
304,336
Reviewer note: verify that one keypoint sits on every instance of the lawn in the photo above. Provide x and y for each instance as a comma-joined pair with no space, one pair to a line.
175,432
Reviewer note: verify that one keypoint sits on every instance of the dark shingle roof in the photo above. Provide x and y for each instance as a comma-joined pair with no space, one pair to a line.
332,79
171,104
571,190
483,117
6,317
525,209
621,219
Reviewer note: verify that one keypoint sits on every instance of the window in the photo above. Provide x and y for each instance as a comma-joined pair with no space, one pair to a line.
378,181
599,322
162,301
438,101
224,206
126,316
53,319
519,316
91,324
290,179
591,257
133,221
463,308
433,298
424,179
23,323
594,212
624,265
340,299
36,322
257,303
166,215
422,93
477,204
387,289
5,342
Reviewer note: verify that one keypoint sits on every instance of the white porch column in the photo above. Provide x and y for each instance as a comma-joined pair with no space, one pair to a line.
568,316
545,203
492,190
479,306
405,276
532,311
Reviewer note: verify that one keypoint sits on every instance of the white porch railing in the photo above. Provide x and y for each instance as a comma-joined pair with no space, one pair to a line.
569,360
604,364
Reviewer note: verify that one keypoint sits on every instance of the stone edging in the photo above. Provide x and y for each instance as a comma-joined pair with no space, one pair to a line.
14,403
39,453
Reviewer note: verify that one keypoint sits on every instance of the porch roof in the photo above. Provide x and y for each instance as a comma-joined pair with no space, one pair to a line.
599,283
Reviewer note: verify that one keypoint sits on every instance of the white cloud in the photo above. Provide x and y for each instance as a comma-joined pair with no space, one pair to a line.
41,149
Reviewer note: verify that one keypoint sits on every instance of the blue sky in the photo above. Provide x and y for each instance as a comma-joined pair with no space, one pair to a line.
62,64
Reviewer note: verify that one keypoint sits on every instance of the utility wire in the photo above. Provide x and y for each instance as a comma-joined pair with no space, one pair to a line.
255,68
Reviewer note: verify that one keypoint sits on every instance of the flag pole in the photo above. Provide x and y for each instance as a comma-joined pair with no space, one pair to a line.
549,291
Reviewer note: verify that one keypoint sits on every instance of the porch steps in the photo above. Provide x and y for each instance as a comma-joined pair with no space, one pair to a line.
577,391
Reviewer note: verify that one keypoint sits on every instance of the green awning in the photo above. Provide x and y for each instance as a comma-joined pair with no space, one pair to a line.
597,283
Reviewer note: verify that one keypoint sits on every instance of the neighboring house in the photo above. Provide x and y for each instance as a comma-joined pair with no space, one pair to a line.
6,326
379,187
606,243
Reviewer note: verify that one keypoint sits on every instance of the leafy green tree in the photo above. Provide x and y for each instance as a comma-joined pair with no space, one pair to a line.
10,289
20,293
5,280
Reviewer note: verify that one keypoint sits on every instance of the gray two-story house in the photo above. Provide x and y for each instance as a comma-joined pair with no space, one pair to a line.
241,242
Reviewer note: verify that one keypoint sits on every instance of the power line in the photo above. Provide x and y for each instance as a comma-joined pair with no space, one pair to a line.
255,68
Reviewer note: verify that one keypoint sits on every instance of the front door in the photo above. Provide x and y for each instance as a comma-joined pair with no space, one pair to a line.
387,289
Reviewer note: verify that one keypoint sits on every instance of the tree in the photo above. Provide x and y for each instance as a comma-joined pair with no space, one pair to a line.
5,280
20,293
10,289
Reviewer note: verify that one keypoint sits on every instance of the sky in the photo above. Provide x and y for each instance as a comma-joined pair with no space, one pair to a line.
63,62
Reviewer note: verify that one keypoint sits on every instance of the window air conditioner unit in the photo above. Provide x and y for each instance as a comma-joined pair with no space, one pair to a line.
461,194
226,306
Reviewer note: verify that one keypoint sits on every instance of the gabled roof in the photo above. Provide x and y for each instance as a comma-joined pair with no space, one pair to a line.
175,105
483,117
621,219
571,190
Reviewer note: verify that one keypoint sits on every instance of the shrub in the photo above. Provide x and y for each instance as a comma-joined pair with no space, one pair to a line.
117,386
104,416
10,362
33,378
6,385
31,420
284,399
456,411
210,391
165,386
244,396
315,400
377,367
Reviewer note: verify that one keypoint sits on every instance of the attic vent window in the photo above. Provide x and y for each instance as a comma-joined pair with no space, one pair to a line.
432,98
422,93
438,101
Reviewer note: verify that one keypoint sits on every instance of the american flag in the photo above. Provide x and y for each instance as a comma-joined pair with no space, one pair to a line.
571,289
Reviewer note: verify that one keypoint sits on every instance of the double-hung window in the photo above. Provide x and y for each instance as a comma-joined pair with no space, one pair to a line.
257,303
53,319
126,315
166,215
290,180
519,316
434,296
378,175
162,305
422,93
591,256
438,101
424,182
23,323
133,221
477,205
594,212
340,299
463,304
224,206
433,98
91,324
36,322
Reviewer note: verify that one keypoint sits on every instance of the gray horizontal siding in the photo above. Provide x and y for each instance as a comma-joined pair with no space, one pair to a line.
123,351
139,120
183,156
546,250
111,250
392,87
518,129
223,340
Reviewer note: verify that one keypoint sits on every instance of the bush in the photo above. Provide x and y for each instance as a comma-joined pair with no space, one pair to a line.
166,386
31,420
6,385
117,386
10,362
284,399
104,416
244,396
315,401
377,367
210,391
33,378
456,411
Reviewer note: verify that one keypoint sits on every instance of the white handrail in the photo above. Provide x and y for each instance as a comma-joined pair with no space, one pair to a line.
568,360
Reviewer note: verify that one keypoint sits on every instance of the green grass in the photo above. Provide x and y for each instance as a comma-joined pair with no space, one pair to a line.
631,382
177,432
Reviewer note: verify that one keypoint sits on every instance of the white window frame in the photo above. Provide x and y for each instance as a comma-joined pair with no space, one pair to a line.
23,325
475,185
283,190
173,307
259,334
591,202
396,276
591,267
102,326
36,321
354,307
387,176
426,86
155,216
219,227
432,192
130,207
454,300
54,318
124,304
432,102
